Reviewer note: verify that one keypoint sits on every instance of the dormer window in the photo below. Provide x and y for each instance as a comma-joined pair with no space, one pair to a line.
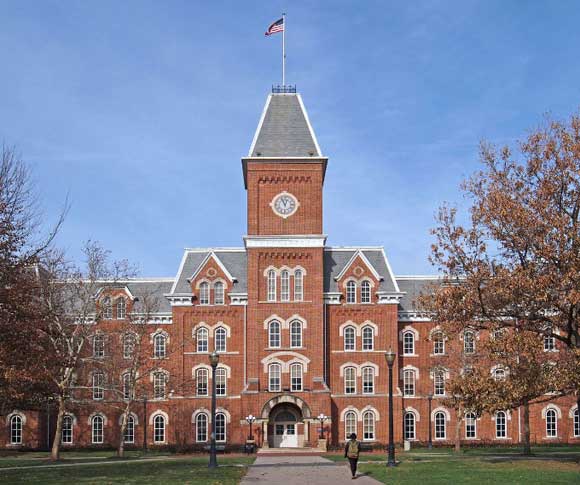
204,293
351,292
121,308
218,293
365,292
107,309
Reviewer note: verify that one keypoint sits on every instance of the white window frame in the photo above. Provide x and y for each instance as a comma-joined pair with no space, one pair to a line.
221,381
365,292
16,428
350,424
368,343
221,434
470,426
129,341
440,425
350,380
275,377
127,386
296,377
551,423
368,383
469,342
271,285
202,340
369,425
97,431
501,425
409,382
98,346
347,340
408,343
285,285
159,428
204,293
576,423
67,430
298,285
438,343
98,386
159,346
129,436
107,308
159,385
549,343
219,293
201,425
275,337
201,382
351,292
409,425
439,382
121,308
220,337
295,336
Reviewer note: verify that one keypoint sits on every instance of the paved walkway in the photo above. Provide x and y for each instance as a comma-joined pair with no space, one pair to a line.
301,470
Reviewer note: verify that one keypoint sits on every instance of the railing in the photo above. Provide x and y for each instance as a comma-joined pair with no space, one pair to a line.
283,89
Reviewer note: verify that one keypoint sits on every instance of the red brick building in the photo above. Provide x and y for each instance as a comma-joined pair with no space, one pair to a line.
301,329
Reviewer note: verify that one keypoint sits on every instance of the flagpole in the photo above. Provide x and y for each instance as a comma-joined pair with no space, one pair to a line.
284,50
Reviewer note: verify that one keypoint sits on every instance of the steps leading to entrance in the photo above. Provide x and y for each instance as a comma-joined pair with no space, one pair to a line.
289,451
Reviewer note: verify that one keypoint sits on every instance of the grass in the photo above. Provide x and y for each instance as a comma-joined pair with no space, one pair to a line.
188,470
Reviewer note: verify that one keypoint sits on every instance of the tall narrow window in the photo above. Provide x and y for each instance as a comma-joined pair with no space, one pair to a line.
107,309
159,429
220,381
97,424
121,308
551,423
576,423
409,382
201,379
274,377
470,426
296,334
201,427
285,286
350,380
220,339
129,436
349,424
469,342
409,425
127,386
160,346
16,430
438,343
298,285
500,425
365,292
98,346
549,343
271,285
218,293
368,426
296,377
274,334
349,338
98,385
128,345
408,343
351,292
368,380
204,293
67,430
202,338
440,426
368,338
159,385
220,427
439,382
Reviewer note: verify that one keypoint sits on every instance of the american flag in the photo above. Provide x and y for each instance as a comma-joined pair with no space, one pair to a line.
277,26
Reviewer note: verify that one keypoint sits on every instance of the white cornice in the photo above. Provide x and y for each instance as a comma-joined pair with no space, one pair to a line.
386,297
298,241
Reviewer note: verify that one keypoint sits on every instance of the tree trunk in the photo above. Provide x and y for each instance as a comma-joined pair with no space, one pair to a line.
55,452
124,419
527,447
458,422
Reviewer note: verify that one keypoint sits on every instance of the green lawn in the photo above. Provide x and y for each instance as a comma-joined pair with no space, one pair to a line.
189,470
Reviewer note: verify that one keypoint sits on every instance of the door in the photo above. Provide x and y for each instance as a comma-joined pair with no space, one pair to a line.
285,435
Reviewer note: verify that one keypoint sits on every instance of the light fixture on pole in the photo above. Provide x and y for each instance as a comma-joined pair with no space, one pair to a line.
390,356
250,420
322,417
214,359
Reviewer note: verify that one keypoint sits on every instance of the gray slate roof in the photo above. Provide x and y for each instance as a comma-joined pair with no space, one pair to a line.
284,131
413,288
154,291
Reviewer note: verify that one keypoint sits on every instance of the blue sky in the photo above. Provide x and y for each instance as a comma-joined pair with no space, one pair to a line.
141,110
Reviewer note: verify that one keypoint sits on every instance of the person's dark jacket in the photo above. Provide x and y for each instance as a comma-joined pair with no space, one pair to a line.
346,448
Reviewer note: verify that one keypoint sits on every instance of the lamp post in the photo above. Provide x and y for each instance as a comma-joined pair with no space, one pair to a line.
390,357
250,420
144,423
322,417
430,399
213,360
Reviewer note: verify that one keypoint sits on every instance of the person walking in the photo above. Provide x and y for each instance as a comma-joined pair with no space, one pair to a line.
351,451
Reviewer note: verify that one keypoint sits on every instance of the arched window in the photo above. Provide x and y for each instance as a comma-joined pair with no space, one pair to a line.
549,343
220,381
500,424
368,426
160,346
408,343
159,385
204,293
159,429
201,379
296,377
201,428
271,285
127,386
218,293
202,337
350,380
576,423
296,334
298,285
368,380
440,425
439,382
409,425
285,286
551,423
16,430
97,434
349,338
274,377
469,342
365,292
67,430
220,427
129,436
368,338
274,334
121,308
128,345
99,346
349,424
351,292
98,385
438,343
470,426
219,337
107,309
409,382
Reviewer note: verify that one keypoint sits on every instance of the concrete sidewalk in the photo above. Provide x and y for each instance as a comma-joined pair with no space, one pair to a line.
301,470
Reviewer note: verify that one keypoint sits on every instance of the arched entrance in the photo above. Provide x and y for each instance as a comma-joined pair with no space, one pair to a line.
286,423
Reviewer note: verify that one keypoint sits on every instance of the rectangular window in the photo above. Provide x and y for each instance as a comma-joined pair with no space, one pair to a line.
97,431
127,386
549,343
368,426
201,378
67,430
129,436
98,385
349,338
500,425
159,382
576,423
128,346
274,378
296,377
470,426
368,375
220,382
298,285
271,285
409,383
285,286
201,427
408,343
439,426
350,380
439,383
220,427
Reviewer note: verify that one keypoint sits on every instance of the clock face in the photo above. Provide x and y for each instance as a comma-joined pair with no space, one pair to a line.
284,204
